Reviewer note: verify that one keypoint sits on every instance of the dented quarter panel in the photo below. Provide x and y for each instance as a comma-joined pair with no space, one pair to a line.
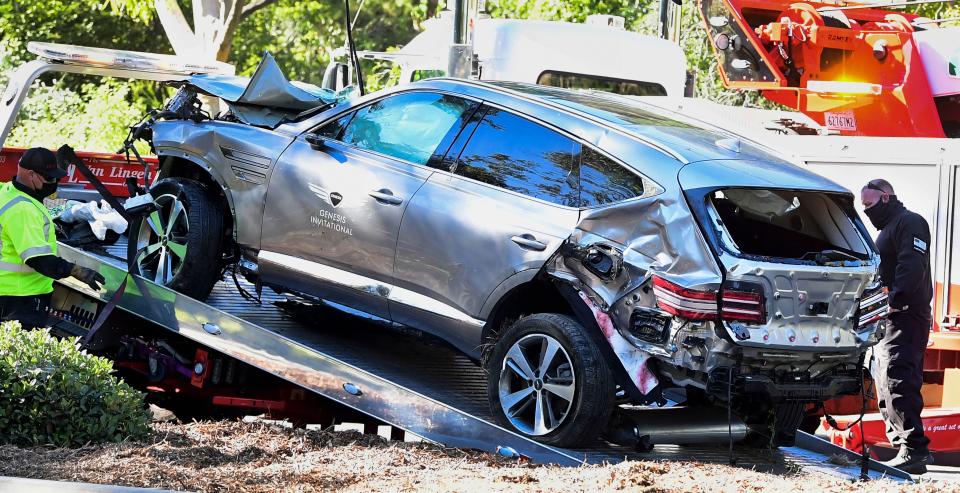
239,157
656,234
651,235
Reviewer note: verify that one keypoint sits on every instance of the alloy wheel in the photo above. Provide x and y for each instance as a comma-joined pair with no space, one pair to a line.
162,240
537,384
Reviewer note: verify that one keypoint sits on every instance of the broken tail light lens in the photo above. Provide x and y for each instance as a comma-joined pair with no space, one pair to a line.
683,302
873,307
742,306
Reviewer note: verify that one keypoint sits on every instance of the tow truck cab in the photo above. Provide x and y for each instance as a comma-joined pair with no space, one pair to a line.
559,54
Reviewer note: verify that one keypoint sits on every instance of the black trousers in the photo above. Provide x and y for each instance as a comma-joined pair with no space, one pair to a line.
899,375
31,311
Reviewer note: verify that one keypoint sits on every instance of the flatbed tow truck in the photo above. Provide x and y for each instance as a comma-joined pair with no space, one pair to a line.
286,357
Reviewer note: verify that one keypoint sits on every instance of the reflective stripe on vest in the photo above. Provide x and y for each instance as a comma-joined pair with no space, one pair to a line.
7,266
21,223
14,201
32,251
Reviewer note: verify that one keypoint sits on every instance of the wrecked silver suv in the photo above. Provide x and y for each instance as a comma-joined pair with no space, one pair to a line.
589,251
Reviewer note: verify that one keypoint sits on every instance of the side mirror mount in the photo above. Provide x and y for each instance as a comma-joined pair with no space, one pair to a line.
316,142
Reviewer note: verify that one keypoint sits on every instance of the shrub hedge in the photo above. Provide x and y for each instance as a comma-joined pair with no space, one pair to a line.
53,393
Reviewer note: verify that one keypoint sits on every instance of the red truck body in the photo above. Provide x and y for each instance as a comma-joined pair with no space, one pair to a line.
111,169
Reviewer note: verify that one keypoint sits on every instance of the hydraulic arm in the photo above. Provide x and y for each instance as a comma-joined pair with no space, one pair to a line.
853,67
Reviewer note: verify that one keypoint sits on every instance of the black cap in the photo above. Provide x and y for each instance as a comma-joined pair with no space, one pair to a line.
43,161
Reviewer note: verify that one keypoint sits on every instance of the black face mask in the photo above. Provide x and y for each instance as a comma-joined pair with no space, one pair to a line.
881,212
47,189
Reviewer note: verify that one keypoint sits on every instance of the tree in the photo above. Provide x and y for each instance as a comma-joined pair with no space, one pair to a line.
215,23
211,33
302,35
82,22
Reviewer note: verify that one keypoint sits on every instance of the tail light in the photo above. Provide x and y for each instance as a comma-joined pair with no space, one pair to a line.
873,307
683,302
742,306
736,304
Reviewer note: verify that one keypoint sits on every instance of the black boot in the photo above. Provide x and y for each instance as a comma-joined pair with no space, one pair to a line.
911,461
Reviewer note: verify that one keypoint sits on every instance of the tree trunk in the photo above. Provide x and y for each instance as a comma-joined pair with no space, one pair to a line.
214,24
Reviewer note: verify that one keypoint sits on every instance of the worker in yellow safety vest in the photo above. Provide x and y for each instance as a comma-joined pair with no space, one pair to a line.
28,242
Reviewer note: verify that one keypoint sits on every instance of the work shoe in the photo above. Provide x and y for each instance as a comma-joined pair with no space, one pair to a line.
911,461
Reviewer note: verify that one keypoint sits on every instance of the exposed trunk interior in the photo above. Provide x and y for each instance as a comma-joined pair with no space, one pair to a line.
787,224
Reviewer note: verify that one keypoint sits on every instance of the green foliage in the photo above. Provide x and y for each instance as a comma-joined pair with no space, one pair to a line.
95,117
300,35
56,111
81,22
303,35
138,10
53,393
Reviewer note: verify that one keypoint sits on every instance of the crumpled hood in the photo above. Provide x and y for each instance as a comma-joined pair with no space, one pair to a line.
267,97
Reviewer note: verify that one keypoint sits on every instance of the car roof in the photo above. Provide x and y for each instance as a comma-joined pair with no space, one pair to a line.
687,140
684,138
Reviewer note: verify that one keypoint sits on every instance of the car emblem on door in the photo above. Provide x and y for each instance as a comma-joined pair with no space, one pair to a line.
331,198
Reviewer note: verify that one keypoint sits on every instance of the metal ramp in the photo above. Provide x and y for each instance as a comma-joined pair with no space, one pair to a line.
418,384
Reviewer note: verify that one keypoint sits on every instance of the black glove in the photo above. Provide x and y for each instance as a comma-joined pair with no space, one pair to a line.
66,156
91,277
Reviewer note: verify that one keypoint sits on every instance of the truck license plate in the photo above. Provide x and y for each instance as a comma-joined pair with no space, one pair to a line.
841,120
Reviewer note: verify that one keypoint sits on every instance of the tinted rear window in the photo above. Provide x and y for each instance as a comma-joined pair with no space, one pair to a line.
517,154
603,181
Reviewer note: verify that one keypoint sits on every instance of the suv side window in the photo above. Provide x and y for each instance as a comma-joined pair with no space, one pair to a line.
407,126
517,154
603,181
333,129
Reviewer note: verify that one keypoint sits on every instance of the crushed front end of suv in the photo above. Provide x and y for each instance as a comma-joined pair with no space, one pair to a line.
588,250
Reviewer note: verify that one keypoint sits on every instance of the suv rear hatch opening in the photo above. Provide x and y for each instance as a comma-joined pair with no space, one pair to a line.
786,225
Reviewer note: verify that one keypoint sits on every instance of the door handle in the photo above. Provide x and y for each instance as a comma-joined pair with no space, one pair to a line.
386,196
528,241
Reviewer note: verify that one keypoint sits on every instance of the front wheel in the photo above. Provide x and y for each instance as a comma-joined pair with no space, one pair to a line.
548,381
179,245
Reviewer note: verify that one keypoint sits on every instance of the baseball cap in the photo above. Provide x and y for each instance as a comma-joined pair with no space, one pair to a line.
43,161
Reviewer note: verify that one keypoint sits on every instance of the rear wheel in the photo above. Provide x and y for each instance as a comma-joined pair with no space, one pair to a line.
179,245
548,381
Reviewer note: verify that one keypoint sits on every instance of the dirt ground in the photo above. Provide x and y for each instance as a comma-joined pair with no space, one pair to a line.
258,457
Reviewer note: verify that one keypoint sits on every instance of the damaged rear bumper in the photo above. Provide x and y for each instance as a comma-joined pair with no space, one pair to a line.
821,389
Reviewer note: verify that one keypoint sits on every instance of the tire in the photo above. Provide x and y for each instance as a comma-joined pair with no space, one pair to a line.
193,266
564,423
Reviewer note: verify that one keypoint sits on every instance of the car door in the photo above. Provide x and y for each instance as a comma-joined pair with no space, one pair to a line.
503,202
334,205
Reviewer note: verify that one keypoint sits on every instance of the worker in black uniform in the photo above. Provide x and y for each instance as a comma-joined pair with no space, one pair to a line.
904,245
28,242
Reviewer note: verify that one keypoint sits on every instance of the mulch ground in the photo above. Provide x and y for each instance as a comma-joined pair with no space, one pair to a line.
232,456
